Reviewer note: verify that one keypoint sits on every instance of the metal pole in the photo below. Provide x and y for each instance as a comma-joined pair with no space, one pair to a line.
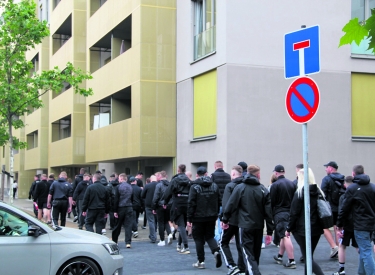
306,195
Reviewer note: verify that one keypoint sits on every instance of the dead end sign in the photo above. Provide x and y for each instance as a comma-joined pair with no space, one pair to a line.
302,99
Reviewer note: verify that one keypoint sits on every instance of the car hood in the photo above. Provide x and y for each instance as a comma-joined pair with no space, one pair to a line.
70,235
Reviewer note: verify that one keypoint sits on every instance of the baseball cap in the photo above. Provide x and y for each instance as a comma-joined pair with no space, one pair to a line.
132,179
279,168
98,172
243,165
112,176
332,164
201,170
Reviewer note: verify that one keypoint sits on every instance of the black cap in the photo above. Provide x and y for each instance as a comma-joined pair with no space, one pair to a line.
201,170
243,165
98,172
279,168
112,176
131,179
332,164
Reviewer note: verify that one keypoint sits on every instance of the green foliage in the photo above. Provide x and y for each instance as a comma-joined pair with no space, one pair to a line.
356,31
20,90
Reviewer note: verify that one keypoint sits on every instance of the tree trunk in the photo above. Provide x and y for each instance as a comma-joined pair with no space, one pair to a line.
11,161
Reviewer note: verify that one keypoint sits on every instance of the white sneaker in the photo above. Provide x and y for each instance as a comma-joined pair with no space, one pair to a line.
170,237
104,232
263,245
161,243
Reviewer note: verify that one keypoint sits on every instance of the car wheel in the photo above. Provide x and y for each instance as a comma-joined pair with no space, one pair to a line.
79,266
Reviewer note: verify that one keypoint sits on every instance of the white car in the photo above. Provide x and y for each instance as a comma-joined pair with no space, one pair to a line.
28,246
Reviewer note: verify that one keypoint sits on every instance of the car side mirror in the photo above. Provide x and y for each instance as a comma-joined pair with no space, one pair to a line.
33,231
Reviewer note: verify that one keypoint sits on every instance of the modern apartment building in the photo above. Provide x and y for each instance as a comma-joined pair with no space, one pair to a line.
129,124
231,88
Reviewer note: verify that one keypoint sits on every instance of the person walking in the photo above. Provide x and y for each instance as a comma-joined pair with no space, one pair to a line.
162,213
78,196
296,223
137,204
253,202
179,189
147,195
15,187
282,192
203,209
40,198
62,193
95,205
123,210
232,230
359,199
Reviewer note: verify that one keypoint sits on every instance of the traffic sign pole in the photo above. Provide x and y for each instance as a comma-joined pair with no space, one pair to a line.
305,149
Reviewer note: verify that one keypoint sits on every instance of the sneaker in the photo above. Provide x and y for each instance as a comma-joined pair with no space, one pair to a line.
143,227
135,234
263,245
178,248
185,251
342,272
128,245
233,270
290,264
104,232
75,219
334,252
199,265
169,239
161,243
279,260
217,257
302,260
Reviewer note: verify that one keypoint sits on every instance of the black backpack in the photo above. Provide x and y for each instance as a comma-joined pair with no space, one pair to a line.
337,189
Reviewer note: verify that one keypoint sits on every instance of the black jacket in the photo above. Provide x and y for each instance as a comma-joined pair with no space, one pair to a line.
347,222
148,193
297,213
41,191
32,188
123,196
137,198
96,197
179,188
204,201
80,190
158,199
326,187
253,202
227,192
76,181
282,192
221,178
359,198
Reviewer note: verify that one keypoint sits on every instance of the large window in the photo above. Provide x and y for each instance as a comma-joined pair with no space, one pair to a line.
363,111
205,105
361,9
204,27
32,140
61,128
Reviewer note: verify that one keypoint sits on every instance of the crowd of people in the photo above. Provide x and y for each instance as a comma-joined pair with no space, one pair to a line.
219,207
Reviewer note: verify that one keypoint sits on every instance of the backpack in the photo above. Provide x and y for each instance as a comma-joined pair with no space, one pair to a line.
337,189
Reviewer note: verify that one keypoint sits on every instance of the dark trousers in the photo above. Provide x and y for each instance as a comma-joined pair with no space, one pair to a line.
144,218
226,236
112,220
302,244
125,218
59,207
163,221
251,243
74,210
81,219
181,221
204,232
95,216
14,192
135,219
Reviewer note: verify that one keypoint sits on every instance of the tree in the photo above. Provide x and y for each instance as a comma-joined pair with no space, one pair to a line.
356,31
20,91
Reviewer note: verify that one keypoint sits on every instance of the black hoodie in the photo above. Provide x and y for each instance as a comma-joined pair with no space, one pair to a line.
327,185
204,201
253,203
158,199
227,192
178,188
297,213
359,198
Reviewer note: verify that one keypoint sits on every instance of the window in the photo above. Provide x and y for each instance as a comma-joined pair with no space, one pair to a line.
61,128
32,140
363,111
361,9
205,105
43,10
35,67
12,225
66,86
55,3
204,27
62,34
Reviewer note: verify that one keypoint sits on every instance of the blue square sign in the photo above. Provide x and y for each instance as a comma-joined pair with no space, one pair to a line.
302,49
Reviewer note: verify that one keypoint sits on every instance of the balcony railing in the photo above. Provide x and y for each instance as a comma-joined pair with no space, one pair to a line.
205,43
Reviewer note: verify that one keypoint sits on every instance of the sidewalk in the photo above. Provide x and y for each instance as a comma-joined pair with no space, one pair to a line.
27,206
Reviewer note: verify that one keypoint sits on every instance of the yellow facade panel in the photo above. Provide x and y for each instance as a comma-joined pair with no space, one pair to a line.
32,157
32,121
363,111
61,106
205,104
79,36
60,152
60,13
168,4
63,55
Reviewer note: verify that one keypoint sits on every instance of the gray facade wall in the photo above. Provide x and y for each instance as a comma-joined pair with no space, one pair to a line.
252,121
